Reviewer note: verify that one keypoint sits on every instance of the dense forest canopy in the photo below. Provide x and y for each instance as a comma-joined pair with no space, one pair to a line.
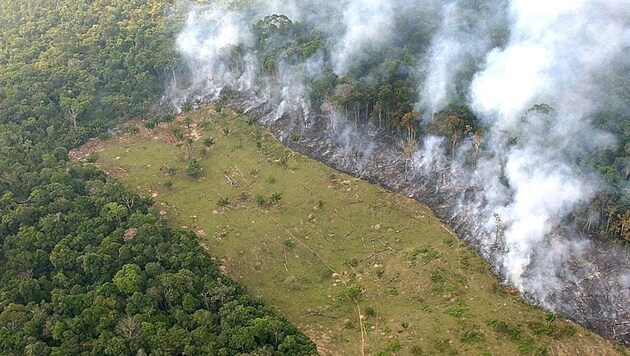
86,266
71,67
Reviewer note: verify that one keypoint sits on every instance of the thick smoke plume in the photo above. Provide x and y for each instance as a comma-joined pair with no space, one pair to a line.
534,72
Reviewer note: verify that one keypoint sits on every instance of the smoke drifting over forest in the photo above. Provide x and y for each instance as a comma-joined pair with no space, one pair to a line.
537,75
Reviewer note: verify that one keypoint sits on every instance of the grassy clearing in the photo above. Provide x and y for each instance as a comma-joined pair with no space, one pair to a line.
358,268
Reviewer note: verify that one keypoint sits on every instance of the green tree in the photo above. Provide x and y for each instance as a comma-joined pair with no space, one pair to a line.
193,169
113,211
129,279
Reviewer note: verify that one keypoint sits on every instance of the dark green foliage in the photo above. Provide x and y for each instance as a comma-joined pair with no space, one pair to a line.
470,337
369,311
193,169
87,267
259,199
380,87
187,106
208,141
223,202
394,346
177,132
353,262
167,118
428,254
460,310
151,123
70,68
252,120
275,197
83,276
352,293
132,130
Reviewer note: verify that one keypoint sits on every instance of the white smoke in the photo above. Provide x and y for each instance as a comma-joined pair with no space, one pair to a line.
523,53
554,51
368,27
465,36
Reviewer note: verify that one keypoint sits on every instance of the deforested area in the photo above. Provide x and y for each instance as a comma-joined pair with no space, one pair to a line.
148,209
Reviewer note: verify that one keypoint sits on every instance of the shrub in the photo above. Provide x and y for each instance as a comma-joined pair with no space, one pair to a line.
252,120
369,311
194,168
259,199
132,130
151,123
275,197
208,141
470,337
222,202
352,262
167,118
395,345
187,106
351,293
204,124
177,132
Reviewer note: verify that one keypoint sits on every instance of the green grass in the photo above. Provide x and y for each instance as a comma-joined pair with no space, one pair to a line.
319,246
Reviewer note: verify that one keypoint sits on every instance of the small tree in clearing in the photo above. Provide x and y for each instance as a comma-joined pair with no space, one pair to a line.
194,168
275,197
208,141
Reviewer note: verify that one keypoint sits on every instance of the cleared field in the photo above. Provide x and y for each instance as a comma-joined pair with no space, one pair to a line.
361,270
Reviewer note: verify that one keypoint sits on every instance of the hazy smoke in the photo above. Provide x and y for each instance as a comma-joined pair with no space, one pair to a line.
461,44
554,52
368,27
501,58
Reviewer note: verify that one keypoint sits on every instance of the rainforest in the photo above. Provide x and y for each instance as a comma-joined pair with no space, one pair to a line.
351,177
